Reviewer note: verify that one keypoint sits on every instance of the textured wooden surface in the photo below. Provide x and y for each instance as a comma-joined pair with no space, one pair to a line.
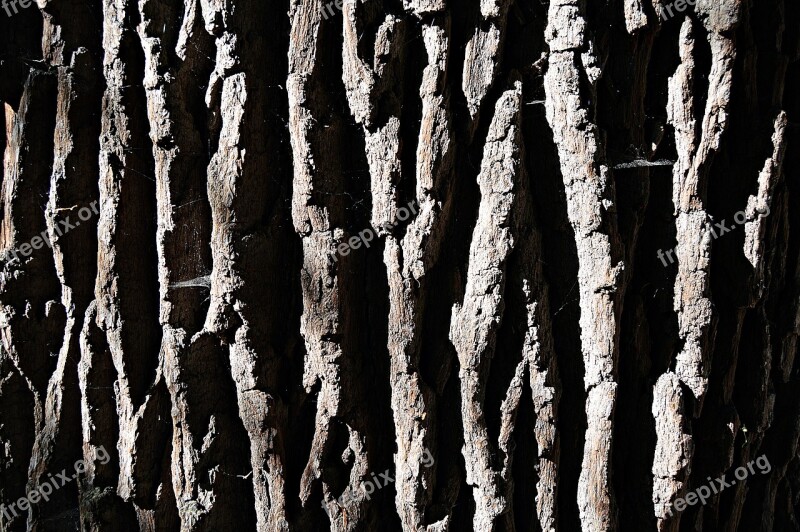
395,265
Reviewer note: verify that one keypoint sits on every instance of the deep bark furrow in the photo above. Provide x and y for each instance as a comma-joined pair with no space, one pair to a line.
753,377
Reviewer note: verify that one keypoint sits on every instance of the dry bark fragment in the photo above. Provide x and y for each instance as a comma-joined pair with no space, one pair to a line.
475,322
483,54
692,301
500,229
758,206
591,211
539,354
674,448
329,364
425,7
635,16
407,259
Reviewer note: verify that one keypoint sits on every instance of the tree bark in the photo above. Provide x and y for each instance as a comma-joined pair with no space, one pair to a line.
379,265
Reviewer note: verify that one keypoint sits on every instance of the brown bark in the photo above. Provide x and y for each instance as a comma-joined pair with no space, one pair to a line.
382,265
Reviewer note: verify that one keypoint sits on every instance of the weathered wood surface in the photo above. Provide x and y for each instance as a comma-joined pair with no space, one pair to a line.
381,265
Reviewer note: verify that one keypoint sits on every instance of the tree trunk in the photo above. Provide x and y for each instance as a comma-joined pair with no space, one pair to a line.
382,265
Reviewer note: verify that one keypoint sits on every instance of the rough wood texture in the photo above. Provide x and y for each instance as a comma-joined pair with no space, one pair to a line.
592,212
411,265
